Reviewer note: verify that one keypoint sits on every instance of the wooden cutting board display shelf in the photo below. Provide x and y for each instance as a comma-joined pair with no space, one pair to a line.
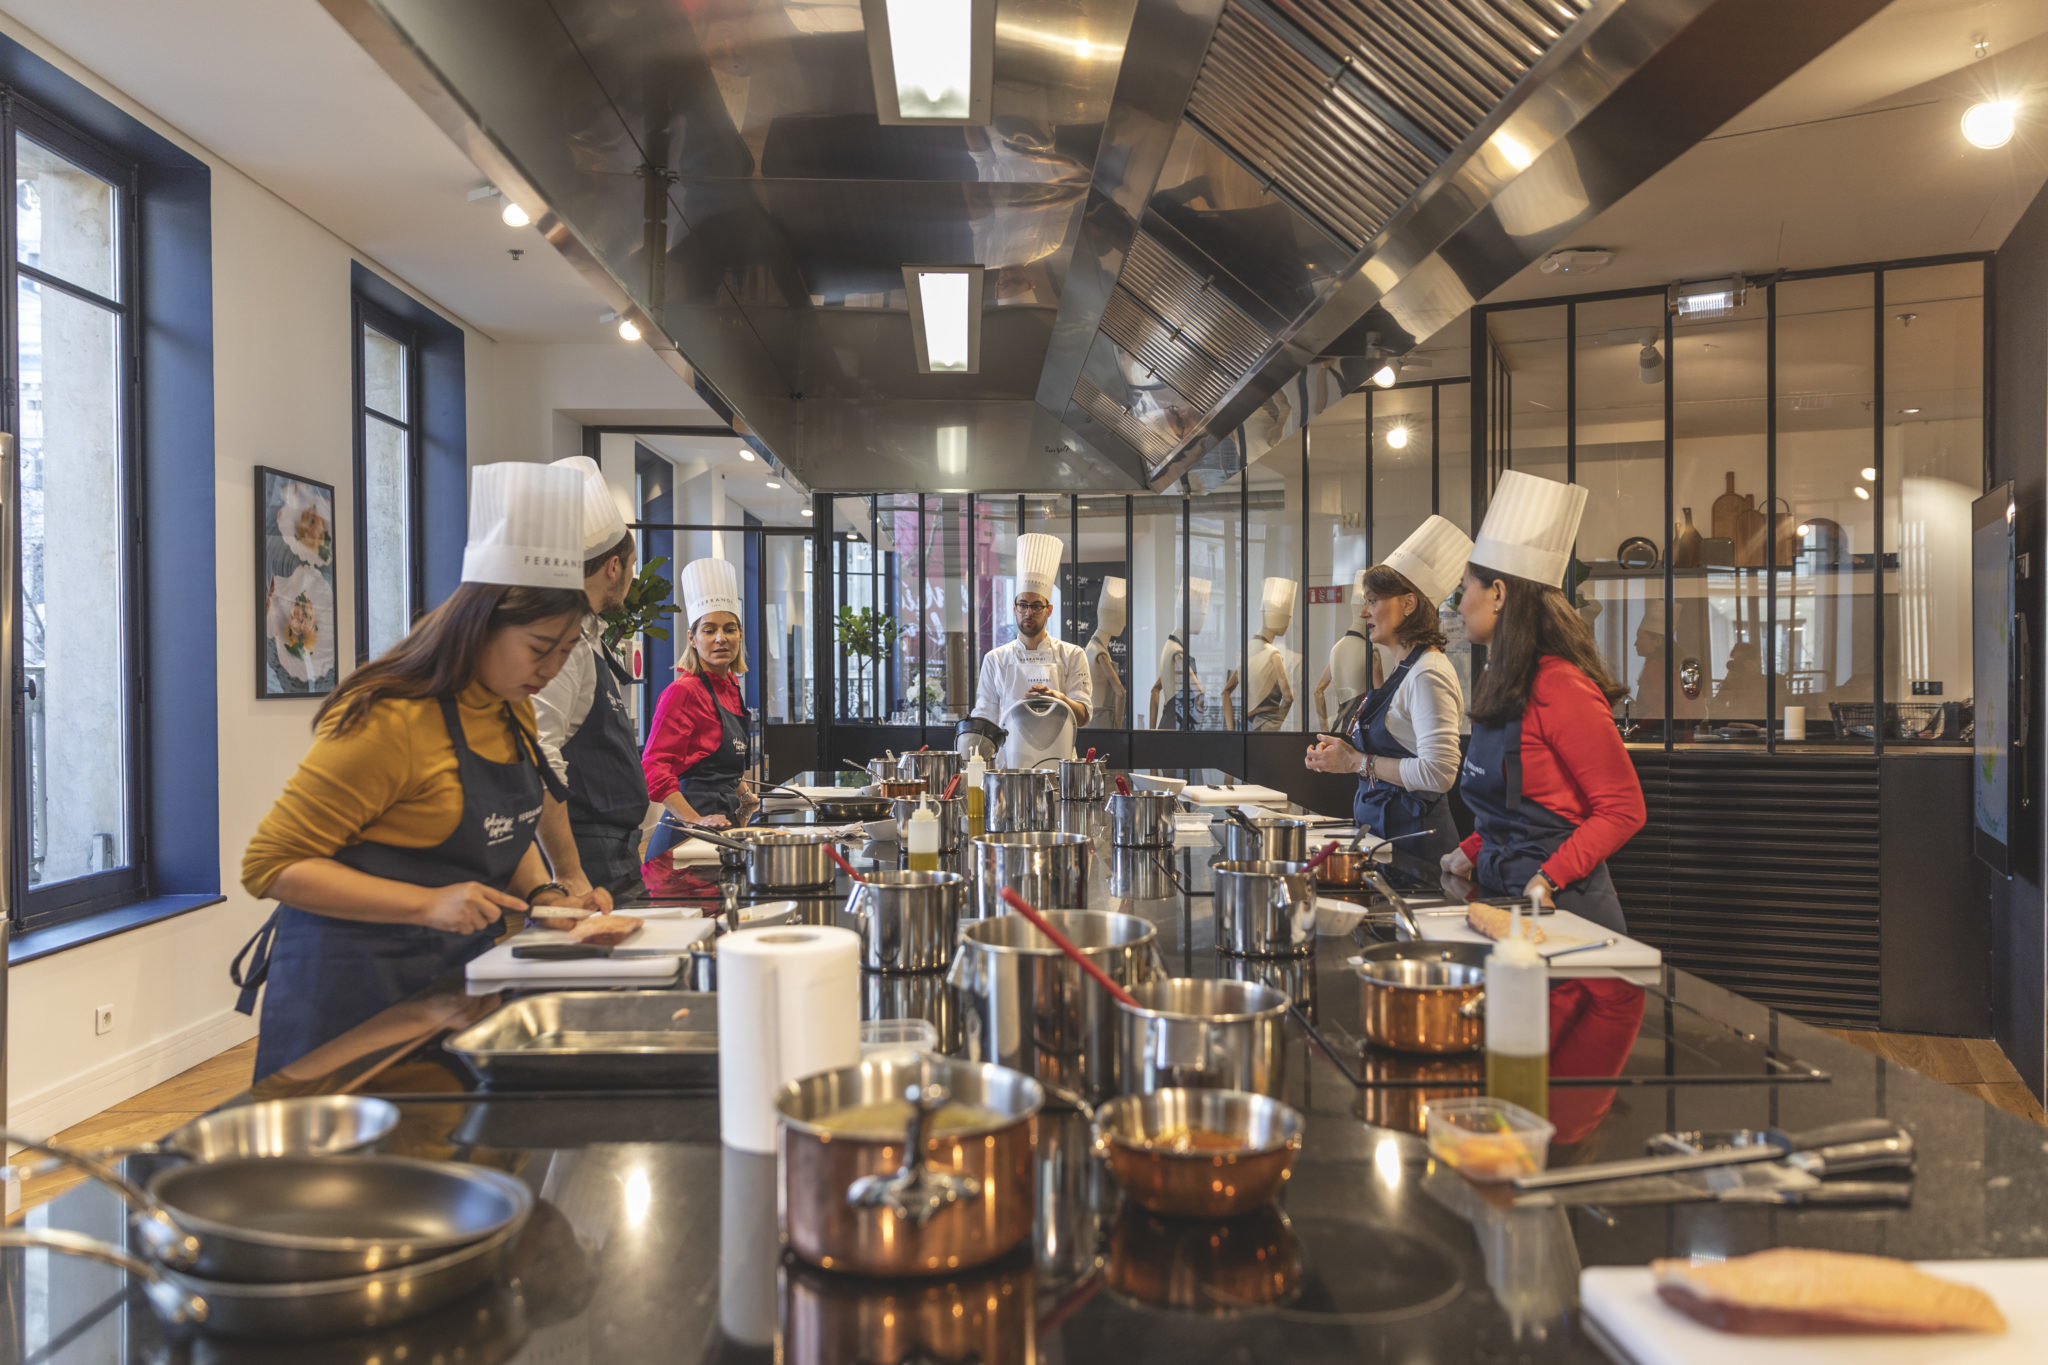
1737,518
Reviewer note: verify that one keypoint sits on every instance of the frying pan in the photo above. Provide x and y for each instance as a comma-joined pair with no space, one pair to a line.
321,1308
314,1125
294,1219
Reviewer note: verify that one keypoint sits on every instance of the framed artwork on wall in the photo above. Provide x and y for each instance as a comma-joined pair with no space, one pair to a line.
296,628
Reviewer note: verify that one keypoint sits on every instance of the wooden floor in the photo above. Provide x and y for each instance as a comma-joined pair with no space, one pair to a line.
147,1117
1972,1064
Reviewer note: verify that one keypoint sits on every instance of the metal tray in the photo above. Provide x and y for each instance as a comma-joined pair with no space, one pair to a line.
596,1040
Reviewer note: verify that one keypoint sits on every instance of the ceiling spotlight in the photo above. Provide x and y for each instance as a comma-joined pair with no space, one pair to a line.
628,330
1650,364
1869,474
772,485
1990,125
746,454
514,216
932,61
1805,529
945,316
1862,492
1385,376
1398,438
808,512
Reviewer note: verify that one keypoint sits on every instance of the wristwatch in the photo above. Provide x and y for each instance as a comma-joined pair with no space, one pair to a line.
1550,882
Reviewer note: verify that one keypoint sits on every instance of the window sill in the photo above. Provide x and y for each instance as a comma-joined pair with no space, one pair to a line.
39,943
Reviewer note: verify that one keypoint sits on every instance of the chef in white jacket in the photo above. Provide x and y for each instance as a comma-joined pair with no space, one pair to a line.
1403,743
1035,687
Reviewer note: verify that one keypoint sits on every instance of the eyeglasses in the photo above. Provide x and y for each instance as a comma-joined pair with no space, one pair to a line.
1032,606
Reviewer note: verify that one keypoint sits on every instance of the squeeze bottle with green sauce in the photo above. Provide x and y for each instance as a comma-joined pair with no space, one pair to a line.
1518,1021
977,799
923,843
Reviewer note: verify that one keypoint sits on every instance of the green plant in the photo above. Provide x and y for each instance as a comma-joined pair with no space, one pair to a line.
646,607
867,635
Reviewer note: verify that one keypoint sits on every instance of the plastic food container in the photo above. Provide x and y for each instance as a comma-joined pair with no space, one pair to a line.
1487,1140
897,1038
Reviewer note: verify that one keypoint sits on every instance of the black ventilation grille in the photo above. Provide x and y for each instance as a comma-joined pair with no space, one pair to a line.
1761,875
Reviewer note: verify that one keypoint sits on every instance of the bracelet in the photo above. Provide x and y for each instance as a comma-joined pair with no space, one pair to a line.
548,886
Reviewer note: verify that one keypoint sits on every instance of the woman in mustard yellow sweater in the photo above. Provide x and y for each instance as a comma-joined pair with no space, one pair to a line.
409,828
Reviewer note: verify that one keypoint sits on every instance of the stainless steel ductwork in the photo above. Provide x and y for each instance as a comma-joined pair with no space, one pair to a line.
1200,221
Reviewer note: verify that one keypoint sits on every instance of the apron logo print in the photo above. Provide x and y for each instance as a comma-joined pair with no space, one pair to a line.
498,828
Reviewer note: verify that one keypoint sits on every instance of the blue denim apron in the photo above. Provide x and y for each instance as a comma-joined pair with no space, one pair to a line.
1518,835
1388,810
712,787
327,975
607,788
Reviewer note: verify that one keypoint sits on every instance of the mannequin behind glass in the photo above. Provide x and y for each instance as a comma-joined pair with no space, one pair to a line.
1111,697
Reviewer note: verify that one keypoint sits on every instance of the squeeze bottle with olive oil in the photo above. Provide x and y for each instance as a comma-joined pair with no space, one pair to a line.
923,844
977,799
1518,1021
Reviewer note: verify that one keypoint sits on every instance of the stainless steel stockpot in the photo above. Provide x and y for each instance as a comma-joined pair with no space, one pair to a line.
1083,779
787,859
1201,1032
951,815
907,921
933,767
1141,819
1031,1008
1019,799
1280,839
919,1197
1045,867
1265,909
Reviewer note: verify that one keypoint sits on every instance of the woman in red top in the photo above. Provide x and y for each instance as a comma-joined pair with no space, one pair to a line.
700,744
1551,789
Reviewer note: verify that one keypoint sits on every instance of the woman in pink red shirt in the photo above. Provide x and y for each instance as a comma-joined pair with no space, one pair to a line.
700,744
1551,789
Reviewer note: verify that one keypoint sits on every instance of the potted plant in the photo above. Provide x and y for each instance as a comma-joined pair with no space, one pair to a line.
867,635
646,607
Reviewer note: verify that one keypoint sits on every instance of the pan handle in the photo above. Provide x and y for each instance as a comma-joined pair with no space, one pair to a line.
171,1304
167,1241
1301,1017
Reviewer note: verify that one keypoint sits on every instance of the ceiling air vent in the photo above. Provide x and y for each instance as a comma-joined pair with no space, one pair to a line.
1153,445
1348,106
1210,322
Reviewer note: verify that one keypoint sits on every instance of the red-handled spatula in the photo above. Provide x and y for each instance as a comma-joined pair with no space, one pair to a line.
844,866
1065,945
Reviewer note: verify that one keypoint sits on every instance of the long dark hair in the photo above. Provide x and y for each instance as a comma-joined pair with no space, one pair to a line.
1420,627
437,658
1535,619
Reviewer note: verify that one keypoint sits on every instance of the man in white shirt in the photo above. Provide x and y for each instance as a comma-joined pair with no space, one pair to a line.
587,735
1034,665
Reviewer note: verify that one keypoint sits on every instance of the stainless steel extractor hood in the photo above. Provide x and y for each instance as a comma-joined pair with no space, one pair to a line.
1199,221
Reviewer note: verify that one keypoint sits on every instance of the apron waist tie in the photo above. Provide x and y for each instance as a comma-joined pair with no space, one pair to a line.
256,952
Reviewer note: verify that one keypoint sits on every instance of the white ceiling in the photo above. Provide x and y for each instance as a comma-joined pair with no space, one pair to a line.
278,89
746,475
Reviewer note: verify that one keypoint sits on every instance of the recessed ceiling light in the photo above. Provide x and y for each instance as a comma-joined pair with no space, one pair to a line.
1862,492
1990,125
628,330
772,485
808,512
746,454
514,216
945,316
1907,412
1870,473
933,61
1398,438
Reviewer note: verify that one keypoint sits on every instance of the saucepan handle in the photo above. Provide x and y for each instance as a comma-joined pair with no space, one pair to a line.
171,1303
170,1243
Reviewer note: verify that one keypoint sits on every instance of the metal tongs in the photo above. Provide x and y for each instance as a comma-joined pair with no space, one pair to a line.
914,1192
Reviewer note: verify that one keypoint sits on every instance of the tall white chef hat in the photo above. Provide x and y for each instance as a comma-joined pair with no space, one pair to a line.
1112,607
1276,604
1198,606
524,527
1038,563
1530,527
1433,559
1358,590
603,527
709,585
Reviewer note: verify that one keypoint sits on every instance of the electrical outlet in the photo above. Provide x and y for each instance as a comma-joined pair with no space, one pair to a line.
103,1019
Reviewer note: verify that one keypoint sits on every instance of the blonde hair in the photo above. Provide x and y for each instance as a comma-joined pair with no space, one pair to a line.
688,662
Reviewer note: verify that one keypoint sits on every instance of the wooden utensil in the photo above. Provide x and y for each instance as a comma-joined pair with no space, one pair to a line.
1752,527
1065,945
1728,508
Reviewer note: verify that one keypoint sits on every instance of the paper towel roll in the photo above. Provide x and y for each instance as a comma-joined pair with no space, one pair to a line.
749,1249
788,1006
1795,722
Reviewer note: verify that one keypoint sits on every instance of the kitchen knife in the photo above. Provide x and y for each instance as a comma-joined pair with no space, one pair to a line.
1777,1147
576,952
1765,1183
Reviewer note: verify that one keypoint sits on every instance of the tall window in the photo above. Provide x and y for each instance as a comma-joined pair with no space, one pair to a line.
73,393
387,480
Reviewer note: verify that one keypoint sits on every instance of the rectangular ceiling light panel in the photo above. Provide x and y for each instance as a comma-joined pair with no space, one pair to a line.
945,317
933,61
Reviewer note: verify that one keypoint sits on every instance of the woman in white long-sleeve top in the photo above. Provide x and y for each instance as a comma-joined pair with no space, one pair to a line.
1403,742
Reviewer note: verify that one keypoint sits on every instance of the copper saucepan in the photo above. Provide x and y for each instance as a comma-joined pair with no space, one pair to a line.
1199,1153
1423,997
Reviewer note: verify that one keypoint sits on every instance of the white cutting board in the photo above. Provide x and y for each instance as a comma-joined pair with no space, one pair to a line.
1635,1327
677,934
1231,796
1561,930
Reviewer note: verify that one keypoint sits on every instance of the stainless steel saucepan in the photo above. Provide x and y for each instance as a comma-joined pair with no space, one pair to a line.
295,1219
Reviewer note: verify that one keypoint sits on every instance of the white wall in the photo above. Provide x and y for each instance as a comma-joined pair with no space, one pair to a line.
542,396
282,379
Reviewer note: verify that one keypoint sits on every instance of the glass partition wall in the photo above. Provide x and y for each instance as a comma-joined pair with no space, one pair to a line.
1780,495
